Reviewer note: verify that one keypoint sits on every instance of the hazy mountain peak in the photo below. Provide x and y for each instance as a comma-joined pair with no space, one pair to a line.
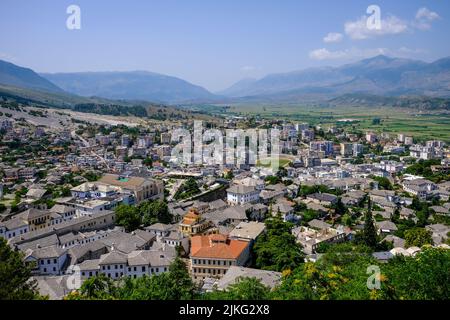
377,75
13,75
130,85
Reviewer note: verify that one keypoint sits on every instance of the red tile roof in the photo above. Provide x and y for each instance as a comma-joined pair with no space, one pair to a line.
217,247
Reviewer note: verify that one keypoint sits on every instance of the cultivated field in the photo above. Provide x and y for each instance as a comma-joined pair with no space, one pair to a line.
423,125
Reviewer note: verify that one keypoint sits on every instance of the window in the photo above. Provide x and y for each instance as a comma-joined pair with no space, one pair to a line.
143,269
54,260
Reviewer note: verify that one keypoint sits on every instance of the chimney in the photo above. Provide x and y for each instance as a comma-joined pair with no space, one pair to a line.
113,246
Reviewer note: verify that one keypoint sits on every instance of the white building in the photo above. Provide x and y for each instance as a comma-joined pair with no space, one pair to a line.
240,194
47,261
13,227
421,188
116,264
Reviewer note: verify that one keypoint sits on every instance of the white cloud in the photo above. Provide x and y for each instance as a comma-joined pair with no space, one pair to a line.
7,57
333,37
424,17
358,30
325,54
248,68
425,13
356,53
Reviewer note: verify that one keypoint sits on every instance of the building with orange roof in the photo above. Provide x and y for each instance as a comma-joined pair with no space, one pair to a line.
212,255
193,223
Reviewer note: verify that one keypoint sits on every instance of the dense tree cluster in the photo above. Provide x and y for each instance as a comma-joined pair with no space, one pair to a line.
423,168
277,248
145,214
188,189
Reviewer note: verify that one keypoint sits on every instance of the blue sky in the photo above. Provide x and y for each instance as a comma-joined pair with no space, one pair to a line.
215,43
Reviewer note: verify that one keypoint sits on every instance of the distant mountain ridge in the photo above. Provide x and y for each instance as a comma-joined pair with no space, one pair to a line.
380,75
13,75
132,85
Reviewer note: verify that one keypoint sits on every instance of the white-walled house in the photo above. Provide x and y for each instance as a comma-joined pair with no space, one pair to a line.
421,188
47,261
239,195
13,227
138,263
146,262
113,264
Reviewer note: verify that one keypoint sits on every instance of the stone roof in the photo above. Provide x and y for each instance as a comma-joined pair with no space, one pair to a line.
240,189
386,225
48,252
319,224
248,230
113,257
89,265
234,274
149,257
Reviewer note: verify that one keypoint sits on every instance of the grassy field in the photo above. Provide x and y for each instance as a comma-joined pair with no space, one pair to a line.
422,125
283,162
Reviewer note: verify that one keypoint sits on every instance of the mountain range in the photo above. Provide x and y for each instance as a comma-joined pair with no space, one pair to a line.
378,76
16,76
133,85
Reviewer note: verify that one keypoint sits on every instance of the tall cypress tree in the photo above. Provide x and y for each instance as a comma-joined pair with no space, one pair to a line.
369,233
15,283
